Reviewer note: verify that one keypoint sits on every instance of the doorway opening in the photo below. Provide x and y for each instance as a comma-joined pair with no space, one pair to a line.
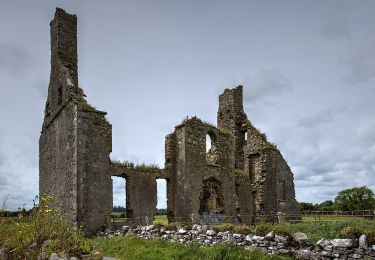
161,205
119,197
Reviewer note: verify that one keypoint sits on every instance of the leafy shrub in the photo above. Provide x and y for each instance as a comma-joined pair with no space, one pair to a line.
262,229
282,230
172,226
370,236
242,229
158,223
26,236
223,227
351,232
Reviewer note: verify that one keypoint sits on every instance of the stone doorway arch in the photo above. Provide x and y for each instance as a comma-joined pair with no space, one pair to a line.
211,198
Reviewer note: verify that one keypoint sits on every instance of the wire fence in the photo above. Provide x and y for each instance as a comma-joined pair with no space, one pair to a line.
272,217
355,213
337,216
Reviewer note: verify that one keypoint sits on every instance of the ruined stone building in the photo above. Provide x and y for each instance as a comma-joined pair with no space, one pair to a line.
241,177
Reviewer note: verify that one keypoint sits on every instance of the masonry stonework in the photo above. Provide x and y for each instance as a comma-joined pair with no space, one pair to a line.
271,178
240,178
76,139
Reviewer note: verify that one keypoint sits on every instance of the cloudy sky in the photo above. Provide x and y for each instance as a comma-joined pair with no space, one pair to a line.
308,70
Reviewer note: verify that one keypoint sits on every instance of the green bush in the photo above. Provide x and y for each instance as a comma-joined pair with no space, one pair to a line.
26,236
282,230
351,232
370,233
262,229
242,229
329,229
172,226
223,227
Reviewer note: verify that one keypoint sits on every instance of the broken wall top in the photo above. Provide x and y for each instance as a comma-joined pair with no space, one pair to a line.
63,84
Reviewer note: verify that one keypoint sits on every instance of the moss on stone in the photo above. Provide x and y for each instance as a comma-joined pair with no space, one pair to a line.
240,172
224,131
143,167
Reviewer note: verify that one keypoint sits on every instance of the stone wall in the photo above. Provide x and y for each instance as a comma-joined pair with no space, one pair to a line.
76,139
244,199
271,178
94,183
295,246
141,193
231,116
58,141
236,177
57,161
189,168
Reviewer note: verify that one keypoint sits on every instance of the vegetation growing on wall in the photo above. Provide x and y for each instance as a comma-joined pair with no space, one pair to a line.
138,167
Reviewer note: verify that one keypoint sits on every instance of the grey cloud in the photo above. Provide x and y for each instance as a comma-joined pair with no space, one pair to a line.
118,191
314,167
41,86
22,191
2,156
19,175
316,193
341,154
267,84
14,58
3,183
361,63
2,160
320,118
161,193
337,29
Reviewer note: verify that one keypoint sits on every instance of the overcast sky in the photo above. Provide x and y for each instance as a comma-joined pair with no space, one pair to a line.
307,67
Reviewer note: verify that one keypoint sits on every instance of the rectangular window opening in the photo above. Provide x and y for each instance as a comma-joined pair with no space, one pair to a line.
59,93
281,194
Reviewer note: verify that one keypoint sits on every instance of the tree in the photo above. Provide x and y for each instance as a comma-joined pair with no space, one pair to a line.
304,206
327,205
118,209
358,198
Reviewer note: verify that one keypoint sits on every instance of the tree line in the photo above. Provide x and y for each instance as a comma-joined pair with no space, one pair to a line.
357,198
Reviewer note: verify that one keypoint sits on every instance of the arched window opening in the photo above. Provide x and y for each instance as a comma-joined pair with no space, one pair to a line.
245,136
211,149
208,143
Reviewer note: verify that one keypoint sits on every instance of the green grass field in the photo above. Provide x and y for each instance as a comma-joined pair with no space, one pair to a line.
137,248
161,219
117,214
21,233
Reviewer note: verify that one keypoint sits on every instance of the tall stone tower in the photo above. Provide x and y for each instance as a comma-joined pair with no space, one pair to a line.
76,139
231,116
